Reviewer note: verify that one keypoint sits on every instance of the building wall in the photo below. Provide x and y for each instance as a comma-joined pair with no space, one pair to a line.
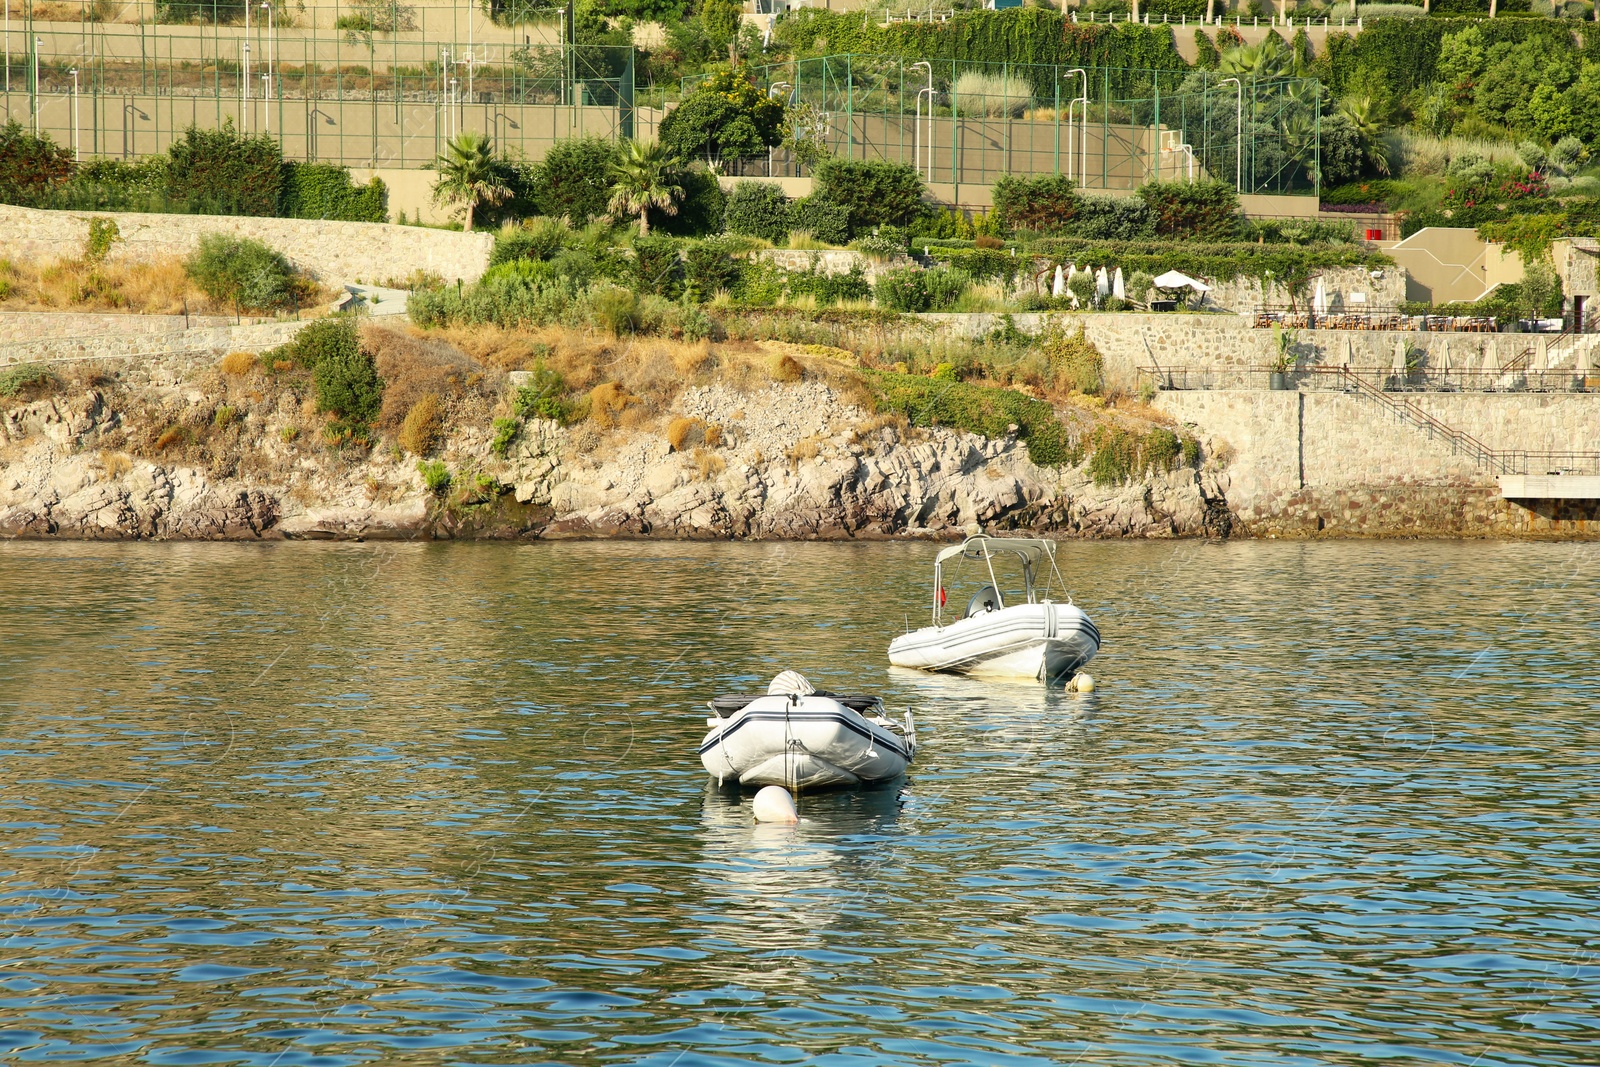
332,252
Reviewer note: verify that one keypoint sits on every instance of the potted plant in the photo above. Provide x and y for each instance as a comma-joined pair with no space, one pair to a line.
1284,360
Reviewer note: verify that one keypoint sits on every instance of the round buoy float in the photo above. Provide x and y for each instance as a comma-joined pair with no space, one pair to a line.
1083,683
774,804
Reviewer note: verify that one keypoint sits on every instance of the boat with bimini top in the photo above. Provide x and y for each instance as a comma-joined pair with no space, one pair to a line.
1023,636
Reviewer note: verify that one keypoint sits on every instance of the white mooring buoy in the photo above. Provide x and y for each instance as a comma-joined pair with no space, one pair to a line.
1083,683
774,804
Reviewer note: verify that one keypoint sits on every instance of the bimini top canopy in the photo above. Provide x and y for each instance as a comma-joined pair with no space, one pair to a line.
1029,548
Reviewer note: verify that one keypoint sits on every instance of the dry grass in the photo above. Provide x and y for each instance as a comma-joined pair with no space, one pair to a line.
708,464
786,368
422,429
414,368
153,287
805,449
115,464
237,364
607,402
172,435
683,433
1415,154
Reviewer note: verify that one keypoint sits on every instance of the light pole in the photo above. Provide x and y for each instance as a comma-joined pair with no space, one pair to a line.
1083,138
244,73
8,45
918,147
38,43
272,56
444,88
266,103
1238,137
772,94
77,153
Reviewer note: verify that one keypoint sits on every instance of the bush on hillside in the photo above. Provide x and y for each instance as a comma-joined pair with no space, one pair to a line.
573,179
242,272
1045,204
903,289
325,191
700,211
871,191
348,386
826,221
977,409
758,209
30,167
224,171
1204,210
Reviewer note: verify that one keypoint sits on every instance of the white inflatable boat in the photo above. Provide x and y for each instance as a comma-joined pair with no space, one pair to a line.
1030,636
798,738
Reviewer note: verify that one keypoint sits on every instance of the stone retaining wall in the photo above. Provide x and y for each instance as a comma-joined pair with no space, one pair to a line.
1308,462
332,252
201,342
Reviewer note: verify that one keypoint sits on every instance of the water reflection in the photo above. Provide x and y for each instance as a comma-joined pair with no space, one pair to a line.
330,804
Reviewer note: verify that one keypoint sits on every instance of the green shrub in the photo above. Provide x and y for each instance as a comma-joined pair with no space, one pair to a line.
945,286
1112,218
348,386
985,264
221,170
977,409
325,191
709,267
535,239
30,167
614,308
826,221
241,271
657,267
701,209
1074,362
1044,204
320,339
758,209
1119,455
872,191
505,432
574,179
903,289
541,397
15,379
1206,210
435,475
103,233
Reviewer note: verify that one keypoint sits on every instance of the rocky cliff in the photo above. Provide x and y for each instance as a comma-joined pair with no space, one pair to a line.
212,456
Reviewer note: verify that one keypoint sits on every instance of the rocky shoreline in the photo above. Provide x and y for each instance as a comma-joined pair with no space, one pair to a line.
789,461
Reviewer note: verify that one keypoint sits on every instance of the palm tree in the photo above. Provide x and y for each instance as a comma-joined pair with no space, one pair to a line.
641,180
468,176
1363,115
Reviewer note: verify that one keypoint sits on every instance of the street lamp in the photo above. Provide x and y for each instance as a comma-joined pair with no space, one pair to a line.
1083,139
916,136
38,43
266,103
77,153
772,94
1238,137
272,52
244,73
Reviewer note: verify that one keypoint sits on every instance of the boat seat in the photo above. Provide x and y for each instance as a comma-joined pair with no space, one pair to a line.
730,703
985,599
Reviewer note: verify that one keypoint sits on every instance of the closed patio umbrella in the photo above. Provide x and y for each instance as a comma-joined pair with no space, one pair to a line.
1119,288
1060,285
1319,301
1102,284
1399,357
1444,356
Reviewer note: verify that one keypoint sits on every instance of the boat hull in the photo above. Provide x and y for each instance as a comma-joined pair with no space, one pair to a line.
804,743
1046,642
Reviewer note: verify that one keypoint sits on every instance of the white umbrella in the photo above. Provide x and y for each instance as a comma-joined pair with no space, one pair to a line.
1119,288
1072,272
1178,280
1444,355
1491,356
1060,285
1349,352
1102,284
1319,302
1541,354
1399,357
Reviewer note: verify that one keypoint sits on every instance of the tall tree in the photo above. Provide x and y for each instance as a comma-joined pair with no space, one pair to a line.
469,176
644,179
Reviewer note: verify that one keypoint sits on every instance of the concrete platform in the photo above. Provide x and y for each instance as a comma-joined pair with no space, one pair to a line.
1550,486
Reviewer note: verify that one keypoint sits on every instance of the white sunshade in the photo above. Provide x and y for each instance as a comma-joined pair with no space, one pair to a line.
1178,280
1444,355
1319,302
1119,288
1102,283
975,547
1059,286
1399,357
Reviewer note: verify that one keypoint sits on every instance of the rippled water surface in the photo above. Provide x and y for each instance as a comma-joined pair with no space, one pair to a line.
342,804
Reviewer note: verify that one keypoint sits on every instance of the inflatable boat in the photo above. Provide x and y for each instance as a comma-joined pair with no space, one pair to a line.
799,738
1027,636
